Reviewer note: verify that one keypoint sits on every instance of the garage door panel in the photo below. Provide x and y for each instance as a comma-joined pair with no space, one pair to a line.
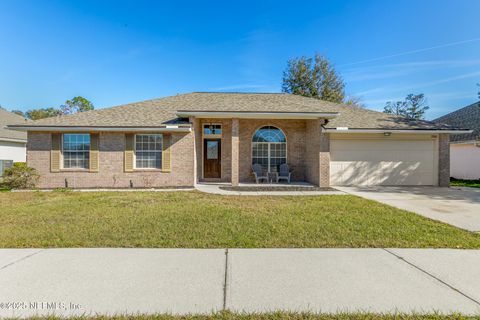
387,156
373,145
356,162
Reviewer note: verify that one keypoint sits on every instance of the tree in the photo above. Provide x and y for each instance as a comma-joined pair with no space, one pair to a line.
397,108
413,107
355,102
313,77
41,113
77,104
416,106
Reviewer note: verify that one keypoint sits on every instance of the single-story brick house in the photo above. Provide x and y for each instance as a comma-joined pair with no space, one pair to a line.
195,137
464,148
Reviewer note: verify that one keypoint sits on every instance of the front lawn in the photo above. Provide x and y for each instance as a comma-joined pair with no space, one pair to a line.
464,183
225,315
197,220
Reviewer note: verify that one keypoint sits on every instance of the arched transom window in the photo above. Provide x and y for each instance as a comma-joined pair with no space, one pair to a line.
269,148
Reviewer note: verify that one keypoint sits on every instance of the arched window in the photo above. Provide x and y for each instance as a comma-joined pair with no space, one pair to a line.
269,148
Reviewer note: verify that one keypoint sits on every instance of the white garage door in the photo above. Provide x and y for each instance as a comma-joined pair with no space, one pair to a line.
383,162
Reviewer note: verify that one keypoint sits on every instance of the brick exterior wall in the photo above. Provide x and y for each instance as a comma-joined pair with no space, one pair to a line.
312,159
324,159
197,154
295,133
298,158
317,164
111,162
235,146
307,155
444,160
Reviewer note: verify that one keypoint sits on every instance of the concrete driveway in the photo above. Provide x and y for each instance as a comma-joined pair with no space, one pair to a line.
459,207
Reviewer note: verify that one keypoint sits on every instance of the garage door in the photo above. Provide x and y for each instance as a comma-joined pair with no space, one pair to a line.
383,162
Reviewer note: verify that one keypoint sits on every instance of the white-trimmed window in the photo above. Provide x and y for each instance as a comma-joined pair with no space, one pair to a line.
76,150
212,130
148,151
269,148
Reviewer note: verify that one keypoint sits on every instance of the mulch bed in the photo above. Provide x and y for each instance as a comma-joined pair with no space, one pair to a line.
279,188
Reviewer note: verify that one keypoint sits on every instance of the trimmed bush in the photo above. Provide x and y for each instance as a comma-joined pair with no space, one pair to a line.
19,176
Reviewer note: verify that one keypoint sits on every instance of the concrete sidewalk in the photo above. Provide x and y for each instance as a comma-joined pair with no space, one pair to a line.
112,281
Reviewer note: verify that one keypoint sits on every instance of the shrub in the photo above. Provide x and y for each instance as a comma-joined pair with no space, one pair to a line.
20,176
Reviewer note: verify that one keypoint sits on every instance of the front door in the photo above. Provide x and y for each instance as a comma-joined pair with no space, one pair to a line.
212,158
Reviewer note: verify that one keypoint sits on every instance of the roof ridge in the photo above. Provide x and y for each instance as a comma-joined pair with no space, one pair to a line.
165,110
103,109
239,92
12,114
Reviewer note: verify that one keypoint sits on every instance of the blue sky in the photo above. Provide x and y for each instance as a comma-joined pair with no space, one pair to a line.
115,52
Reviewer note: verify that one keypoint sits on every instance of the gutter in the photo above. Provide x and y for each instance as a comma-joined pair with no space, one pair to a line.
257,115
13,140
417,131
466,142
167,128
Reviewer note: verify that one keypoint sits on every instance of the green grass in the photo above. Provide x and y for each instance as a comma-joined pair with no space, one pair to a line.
277,316
197,220
464,183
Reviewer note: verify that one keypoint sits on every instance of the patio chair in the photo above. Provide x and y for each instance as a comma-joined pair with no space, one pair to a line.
259,173
284,173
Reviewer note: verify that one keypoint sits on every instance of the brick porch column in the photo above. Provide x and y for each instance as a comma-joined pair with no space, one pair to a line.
235,151
444,160
324,155
317,157
197,149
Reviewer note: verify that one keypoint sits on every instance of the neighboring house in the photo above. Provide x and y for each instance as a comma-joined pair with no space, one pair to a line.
464,148
12,143
195,137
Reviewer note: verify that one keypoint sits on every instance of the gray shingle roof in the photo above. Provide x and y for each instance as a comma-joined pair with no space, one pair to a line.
467,117
7,118
152,113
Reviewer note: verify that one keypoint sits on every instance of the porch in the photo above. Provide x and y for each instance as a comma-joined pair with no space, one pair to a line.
226,149
295,188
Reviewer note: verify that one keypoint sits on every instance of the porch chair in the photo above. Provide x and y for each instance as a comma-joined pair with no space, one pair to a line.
259,173
284,173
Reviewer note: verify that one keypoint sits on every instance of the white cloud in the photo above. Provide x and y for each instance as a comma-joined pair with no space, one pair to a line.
445,45
388,71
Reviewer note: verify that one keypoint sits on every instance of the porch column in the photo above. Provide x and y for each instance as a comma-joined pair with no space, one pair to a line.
197,149
317,153
444,160
235,151
324,155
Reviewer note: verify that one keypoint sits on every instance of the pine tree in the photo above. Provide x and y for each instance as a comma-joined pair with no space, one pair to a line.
313,77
